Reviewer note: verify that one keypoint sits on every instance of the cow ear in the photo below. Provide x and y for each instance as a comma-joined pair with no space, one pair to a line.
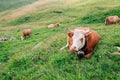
87,34
70,34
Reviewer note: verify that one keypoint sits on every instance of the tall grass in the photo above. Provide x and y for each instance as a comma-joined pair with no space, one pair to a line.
19,60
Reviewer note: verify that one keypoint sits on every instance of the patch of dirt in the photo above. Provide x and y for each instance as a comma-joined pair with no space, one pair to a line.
7,39
24,10
70,2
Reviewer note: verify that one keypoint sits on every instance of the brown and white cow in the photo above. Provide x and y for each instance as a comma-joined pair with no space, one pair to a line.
53,25
82,39
112,20
25,33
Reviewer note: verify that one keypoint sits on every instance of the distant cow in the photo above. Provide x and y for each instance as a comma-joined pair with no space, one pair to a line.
82,39
53,25
112,20
25,33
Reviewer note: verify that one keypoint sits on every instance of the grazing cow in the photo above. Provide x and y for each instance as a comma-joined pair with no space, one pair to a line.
112,20
25,33
53,25
82,41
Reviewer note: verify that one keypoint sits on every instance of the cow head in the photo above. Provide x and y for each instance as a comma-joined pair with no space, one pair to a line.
22,38
57,24
77,39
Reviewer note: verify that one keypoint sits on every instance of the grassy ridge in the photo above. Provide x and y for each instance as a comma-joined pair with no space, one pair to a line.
13,4
99,17
19,61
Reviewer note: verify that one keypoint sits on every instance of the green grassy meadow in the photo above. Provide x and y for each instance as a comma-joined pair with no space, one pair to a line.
19,60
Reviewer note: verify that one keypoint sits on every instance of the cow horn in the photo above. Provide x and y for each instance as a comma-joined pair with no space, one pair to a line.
87,31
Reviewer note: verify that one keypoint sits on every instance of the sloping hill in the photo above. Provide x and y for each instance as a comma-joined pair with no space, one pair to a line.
19,60
13,4
24,10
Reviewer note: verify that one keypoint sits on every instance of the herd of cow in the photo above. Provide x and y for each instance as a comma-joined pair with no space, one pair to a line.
81,40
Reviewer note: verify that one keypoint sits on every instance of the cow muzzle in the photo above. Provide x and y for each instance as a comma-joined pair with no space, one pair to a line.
72,49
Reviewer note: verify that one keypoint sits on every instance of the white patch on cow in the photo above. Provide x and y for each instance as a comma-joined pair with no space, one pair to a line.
78,34
22,38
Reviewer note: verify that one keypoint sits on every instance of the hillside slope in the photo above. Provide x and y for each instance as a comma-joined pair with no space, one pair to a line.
13,4
21,60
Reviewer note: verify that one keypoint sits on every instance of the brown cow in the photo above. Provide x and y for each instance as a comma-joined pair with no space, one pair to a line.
25,33
53,25
112,20
82,40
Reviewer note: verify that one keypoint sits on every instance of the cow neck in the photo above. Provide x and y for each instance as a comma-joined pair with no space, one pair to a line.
85,44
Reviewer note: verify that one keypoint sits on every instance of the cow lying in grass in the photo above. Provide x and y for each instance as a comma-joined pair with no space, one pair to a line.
53,25
82,41
112,20
25,33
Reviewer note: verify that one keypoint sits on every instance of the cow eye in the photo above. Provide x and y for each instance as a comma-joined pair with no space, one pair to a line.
81,40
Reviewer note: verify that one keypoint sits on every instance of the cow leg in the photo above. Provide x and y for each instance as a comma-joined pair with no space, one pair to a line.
29,35
106,23
87,56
